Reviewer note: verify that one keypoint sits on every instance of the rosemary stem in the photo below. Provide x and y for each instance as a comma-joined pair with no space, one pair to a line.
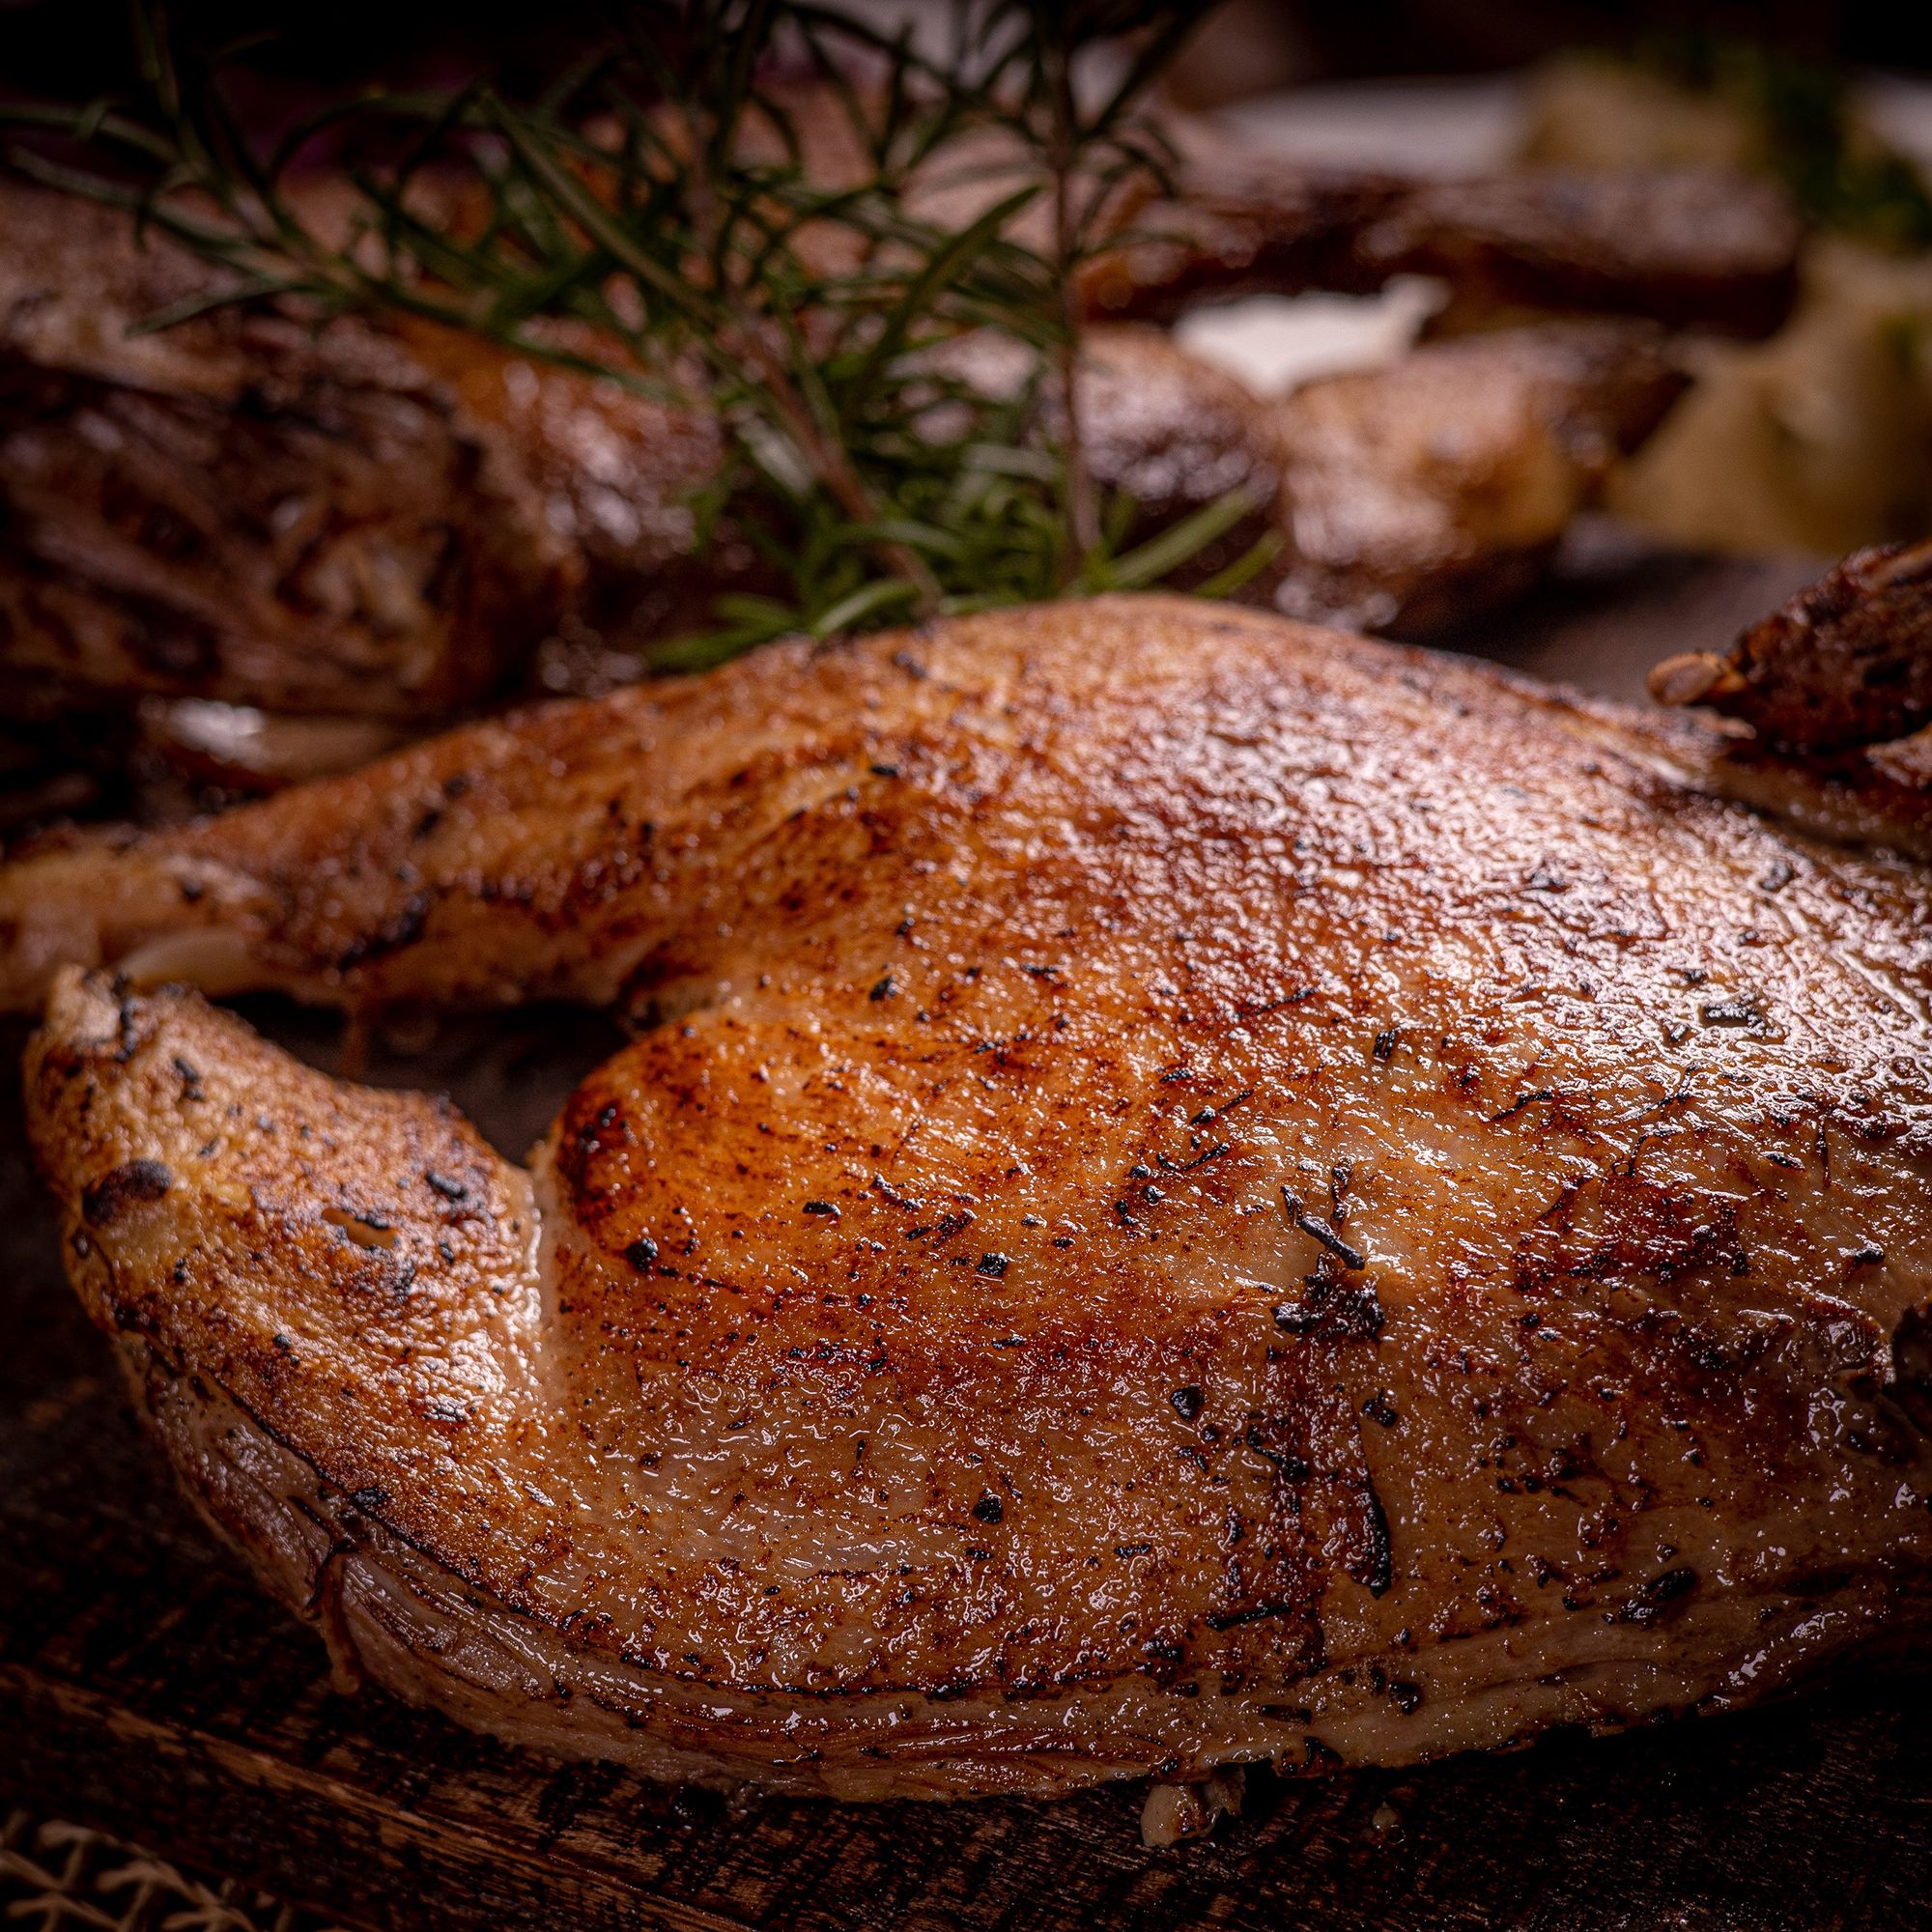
825,457
1083,517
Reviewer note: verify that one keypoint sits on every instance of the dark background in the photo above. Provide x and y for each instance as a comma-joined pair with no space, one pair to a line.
78,47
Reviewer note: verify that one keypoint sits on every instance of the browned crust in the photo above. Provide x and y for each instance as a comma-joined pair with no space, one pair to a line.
1845,662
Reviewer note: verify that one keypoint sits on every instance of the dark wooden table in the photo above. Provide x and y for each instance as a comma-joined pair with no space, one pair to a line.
146,1687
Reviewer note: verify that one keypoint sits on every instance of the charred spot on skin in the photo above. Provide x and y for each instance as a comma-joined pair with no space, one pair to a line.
1227,1620
366,1231
371,1496
641,1253
590,1138
883,989
1286,1714
1313,1225
990,1509
994,1264
1652,1601
441,1183
1187,1402
1744,1013
128,1022
132,1183
1332,1310
1373,1567
1263,1439
888,1192
394,935
826,1208
1521,1101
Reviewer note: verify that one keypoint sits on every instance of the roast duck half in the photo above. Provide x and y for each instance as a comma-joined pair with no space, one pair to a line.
1187,1189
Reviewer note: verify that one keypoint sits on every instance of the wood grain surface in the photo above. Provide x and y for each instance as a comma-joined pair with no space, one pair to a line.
148,1688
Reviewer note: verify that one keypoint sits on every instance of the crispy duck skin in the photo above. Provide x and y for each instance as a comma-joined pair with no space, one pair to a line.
1686,248
1846,661
1194,1190
352,519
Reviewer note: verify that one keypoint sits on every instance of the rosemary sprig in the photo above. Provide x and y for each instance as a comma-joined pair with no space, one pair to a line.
671,202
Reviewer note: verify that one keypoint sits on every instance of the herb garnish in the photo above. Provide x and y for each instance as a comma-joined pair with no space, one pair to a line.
661,216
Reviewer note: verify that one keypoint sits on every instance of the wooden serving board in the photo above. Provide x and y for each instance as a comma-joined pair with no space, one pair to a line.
148,1688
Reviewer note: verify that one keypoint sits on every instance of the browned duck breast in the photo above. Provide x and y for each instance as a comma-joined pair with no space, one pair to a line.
1192,1189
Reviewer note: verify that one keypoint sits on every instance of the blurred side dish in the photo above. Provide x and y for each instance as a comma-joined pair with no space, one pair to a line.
249,548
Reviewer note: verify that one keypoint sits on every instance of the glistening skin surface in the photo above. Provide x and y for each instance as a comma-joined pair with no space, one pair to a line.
1202,1189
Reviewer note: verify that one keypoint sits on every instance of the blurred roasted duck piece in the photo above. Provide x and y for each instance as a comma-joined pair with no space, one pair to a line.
1846,661
1700,248
348,519
1405,498
1418,495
